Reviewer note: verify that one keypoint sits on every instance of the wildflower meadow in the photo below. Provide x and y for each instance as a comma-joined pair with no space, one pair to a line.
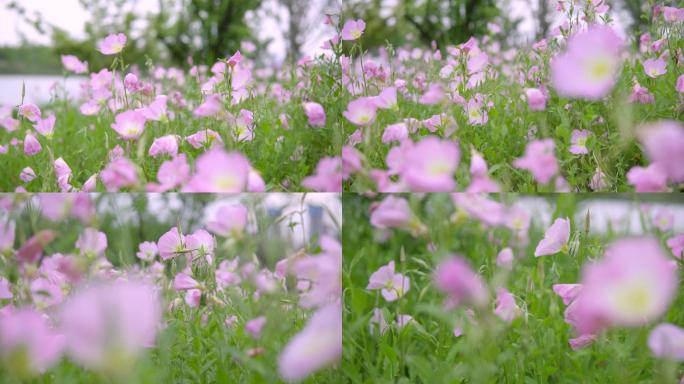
136,288
560,288
585,108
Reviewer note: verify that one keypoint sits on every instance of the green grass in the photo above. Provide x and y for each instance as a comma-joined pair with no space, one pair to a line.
533,349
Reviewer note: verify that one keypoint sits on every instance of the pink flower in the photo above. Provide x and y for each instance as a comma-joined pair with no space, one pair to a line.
395,132
676,245
229,220
171,244
387,99
27,340
655,67
535,99
506,308
578,142
430,164
673,14
315,114
351,161
200,242
156,111
46,126
477,115
567,292
112,44
392,212
391,285
434,95
328,176
31,145
147,251
63,174
255,326
211,106
165,145
539,159
73,64
30,111
27,174
582,341
455,277
220,171
555,238
106,326
119,173
664,144
667,341
205,136
173,173
92,242
183,282
649,179
641,94
353,29
361,111
129,124
193,298
317,345
633,284
505,259
131,83
663,220
589,67
679,87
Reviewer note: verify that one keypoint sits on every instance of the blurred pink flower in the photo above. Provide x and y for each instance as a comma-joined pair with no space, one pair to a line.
92,242
63,174
430,165
210,107
5,289
506,308
395,132
112,44
676,244
664,144
230,220
351,161
205,136
679,86
184,281
317,345
476,113
641,94
667,341
147,251
220,171
30,111
31,145
156,111
434,95
392,212
655,67
119,173
455,277
539,159
173,173
73,64
315,113
165,145
131,83
361,111
578,142
107,325
171,244
328,176
193,298
129,124
505,259
255,326
392,285
387,99
31,251
27,340
555,239
589,66
663,220
535,99
46,126
352,29
633,284
27,174
649,179
567,292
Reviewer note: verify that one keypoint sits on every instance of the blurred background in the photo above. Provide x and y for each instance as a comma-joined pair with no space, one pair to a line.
170,33
279,224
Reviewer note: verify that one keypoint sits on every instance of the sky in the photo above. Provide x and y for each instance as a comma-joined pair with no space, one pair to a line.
70,16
